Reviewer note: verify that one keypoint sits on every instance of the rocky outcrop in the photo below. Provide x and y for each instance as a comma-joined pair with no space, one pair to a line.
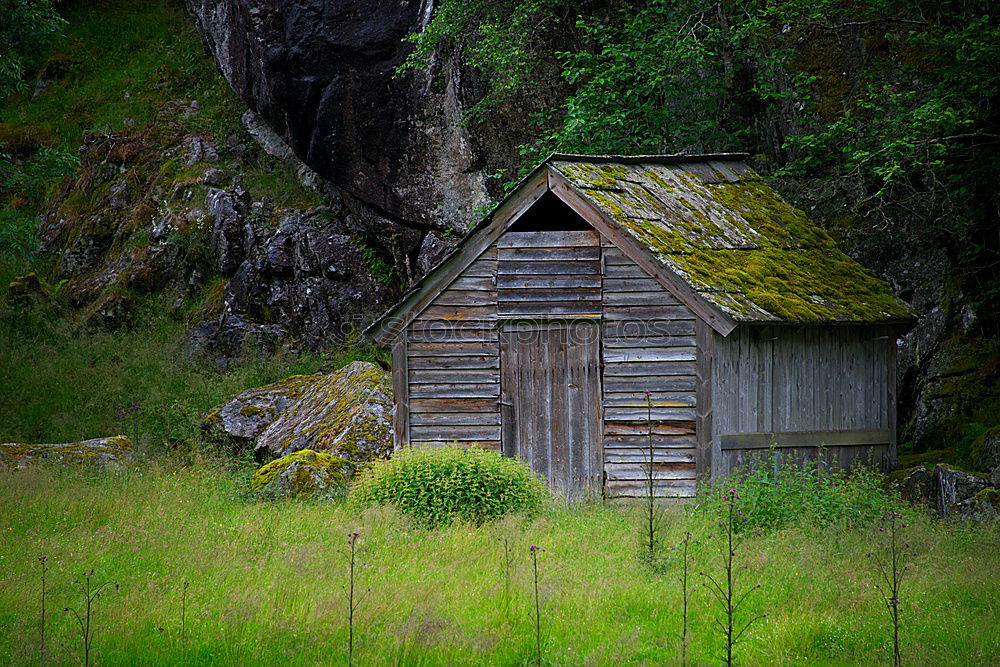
986,451
321,75
111,453
304,474
950,491
347,413
165,211
301,274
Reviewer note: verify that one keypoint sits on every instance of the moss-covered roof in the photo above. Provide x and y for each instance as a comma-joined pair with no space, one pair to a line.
719,226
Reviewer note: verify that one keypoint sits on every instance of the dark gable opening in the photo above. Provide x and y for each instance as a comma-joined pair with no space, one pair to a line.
550,214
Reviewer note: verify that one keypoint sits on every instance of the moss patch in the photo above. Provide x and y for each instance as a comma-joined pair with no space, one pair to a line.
302,474
113,452
739,244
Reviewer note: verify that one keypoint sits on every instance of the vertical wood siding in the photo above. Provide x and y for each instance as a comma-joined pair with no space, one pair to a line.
550,386
648,344
806,380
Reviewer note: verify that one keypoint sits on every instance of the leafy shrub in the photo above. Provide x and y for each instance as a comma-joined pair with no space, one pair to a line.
436,486
775,496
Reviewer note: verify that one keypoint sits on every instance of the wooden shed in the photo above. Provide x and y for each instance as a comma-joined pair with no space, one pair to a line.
601,278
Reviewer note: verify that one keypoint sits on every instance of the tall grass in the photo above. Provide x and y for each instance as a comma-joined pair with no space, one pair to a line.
266,583
62,382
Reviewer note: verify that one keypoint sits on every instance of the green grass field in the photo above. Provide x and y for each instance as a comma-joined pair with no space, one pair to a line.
266,582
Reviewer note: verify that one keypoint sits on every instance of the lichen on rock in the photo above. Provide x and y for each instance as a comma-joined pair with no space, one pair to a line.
111,453
302,474
347,413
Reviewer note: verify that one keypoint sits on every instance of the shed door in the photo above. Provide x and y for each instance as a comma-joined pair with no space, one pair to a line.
550,397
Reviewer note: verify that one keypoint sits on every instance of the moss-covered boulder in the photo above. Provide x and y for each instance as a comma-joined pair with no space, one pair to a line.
111,453
304,474
984,506
347,413
985,450
943,487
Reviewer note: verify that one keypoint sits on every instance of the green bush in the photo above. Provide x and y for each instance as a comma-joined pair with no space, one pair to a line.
774,496
436,486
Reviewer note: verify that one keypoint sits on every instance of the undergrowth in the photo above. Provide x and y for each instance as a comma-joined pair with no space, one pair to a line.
63,382
436,486
266,582
777,495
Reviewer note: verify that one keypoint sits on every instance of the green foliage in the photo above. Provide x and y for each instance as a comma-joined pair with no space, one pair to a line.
436,486
266,582
27,29
381,269
776,495
505,39
910,124
63,383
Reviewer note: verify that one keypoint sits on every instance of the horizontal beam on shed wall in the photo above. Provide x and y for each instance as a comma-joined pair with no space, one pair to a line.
850,438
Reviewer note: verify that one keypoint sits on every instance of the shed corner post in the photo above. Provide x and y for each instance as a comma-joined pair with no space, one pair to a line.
892,393
400,393
704,337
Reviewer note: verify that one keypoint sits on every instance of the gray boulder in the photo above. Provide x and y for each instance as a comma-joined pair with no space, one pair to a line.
347,413
986,451
945,488
112,453
304,474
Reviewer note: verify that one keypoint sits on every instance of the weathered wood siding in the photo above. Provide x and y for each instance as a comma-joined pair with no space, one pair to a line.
453,363
554,274
648,344
818,391
551,401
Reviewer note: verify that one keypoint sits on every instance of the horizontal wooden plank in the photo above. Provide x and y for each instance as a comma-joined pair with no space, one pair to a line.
437,444
614,255
446,433
688,441
448,390
460,313
451,297
649,341
648,354
634,455
632,427
482,268
473,283
457,376
635,471
661,489
439,331
462,348
550,294
457,362
506,282
648,284
635,329
639,299
550,268
585,308
453,405
571,254
454,419
844,438
624,271
659,414
653,368
646,313
554,239
660,399
624,384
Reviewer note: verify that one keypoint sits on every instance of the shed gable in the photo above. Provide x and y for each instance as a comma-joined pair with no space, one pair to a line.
733,239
